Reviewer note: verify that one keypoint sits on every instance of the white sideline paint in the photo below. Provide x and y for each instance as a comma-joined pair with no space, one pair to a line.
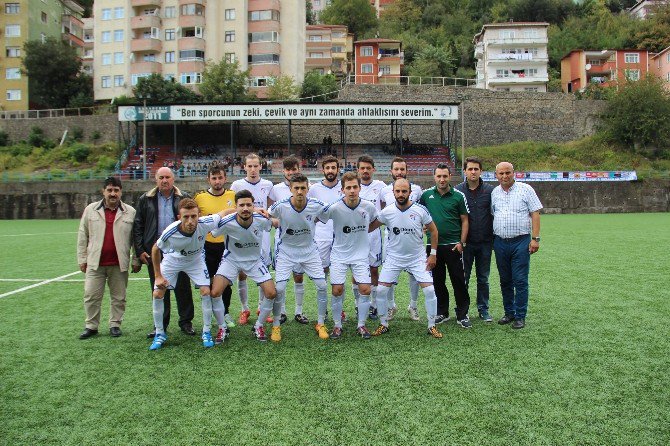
34,285
39,233
60,280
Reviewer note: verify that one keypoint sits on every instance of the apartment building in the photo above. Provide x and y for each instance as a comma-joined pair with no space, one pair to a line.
645,8
604,67
175,38
318,6
24,20
659,64
512,56
329,49
87,52
380,6
378,61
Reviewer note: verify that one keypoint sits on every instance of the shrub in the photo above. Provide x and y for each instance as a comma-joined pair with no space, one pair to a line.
77,152
4,138
77,133
96,135
105,163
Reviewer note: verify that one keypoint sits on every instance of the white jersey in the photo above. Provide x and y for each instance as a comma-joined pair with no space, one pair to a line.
372,192
388,198
243,244
280,191
182,246
296,229
404,242
350,225
327,195
260,190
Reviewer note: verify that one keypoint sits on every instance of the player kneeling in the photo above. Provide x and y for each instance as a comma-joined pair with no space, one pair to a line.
244,231
182,245
405,222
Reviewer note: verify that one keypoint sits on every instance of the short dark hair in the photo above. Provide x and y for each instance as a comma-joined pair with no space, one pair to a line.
442,166
473,159
298,178
290,162
188,203
244,193
365,159
398,159
348,176
251,155
216,167
112,181
329,159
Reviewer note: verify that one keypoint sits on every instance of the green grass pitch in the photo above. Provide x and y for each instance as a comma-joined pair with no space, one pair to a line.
592,365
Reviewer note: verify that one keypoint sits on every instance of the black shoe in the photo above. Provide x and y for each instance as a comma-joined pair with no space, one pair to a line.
188,329
506,319
372,315
301,319
441,318
115,332
283,318
87,333
151,334
363,332
519,323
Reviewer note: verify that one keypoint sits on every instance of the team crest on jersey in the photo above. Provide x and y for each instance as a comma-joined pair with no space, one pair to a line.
363,214
256,233
308,218
412,216
201,237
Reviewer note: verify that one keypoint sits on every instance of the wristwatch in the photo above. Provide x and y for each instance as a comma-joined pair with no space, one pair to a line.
462,244
537,239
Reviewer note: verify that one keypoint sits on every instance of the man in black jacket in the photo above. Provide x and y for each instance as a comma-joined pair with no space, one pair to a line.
156,209
480,233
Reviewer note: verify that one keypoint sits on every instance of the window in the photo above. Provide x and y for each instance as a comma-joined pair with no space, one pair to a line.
170,12
105,82
631,57
106,14
118,58
502,73
529,88
632,75
316,55
269,14
191,55
13,95
667,57
366,51
169,34
43,17
260,81
149,57
596,62
366,68
315,38
169,56
385,69
192,9
337,49
263,58
13,73
169,77
230,36
12,30
118,35
230,14
506,34
149,11
136,77
531,33
230,57
269,36
667,76
13,51
12,8
43,37
192,32
530,72
155,33
119,13
118,80
316,2
106,58
191,78
106,37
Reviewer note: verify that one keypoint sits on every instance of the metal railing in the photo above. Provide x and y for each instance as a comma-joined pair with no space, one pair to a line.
57,175
394,79
58,112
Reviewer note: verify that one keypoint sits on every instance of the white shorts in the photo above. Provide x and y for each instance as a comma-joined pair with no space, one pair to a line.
256,271
286,263
324,247
360,271
390,272
266,253
195,268
375,255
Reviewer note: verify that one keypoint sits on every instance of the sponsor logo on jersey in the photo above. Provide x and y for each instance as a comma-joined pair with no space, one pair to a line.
354,229
290,231
398,231
246,245
186,253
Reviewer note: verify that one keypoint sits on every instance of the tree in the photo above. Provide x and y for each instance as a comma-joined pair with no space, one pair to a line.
54,70
309,11
434,61
357,15
402,15
158,90
319,87
224,82
283,88
639,114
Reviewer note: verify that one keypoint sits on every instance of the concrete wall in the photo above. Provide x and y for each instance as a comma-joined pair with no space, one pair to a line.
56,200
107,125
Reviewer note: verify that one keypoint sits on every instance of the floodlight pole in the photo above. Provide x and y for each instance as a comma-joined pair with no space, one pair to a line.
144,140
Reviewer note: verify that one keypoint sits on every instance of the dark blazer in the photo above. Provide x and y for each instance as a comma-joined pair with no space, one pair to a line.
145,229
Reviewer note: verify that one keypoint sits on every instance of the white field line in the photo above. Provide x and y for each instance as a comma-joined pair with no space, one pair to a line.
37,233
44,282
59,280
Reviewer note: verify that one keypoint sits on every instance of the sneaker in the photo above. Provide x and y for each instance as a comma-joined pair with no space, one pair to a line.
207,341
282,318
519,323
363,332
391,313
506,319
382,329
301,319
413,313
344,316
485,316
229,320
434,332
373,314
336,333
322,331
269,319
440,319
259,332
244,317
221,336
465,322
275,336
159,340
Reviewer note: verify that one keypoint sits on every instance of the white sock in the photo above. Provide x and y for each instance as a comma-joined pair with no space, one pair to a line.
363,309
357,294
277,306
391,300
265,311
219,311
337,303
299,291
431,304
321,300
382,303
206,314
413,291
261,297
373,296
244,294
158,307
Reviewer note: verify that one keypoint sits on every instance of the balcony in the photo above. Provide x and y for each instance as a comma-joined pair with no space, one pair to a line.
263,5
263,26
479,50
145,67
192,66
318,62
319,45
72,40
524,58
540,40
518,79
190,21
138,3
191,43
145,21
264,48
193,2
150,45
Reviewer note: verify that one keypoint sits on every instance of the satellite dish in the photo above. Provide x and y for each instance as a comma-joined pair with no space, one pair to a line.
588,66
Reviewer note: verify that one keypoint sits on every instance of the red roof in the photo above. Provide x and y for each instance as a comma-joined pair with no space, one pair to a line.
377,41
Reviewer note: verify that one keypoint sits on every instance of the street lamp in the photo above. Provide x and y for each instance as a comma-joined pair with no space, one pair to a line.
144,137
